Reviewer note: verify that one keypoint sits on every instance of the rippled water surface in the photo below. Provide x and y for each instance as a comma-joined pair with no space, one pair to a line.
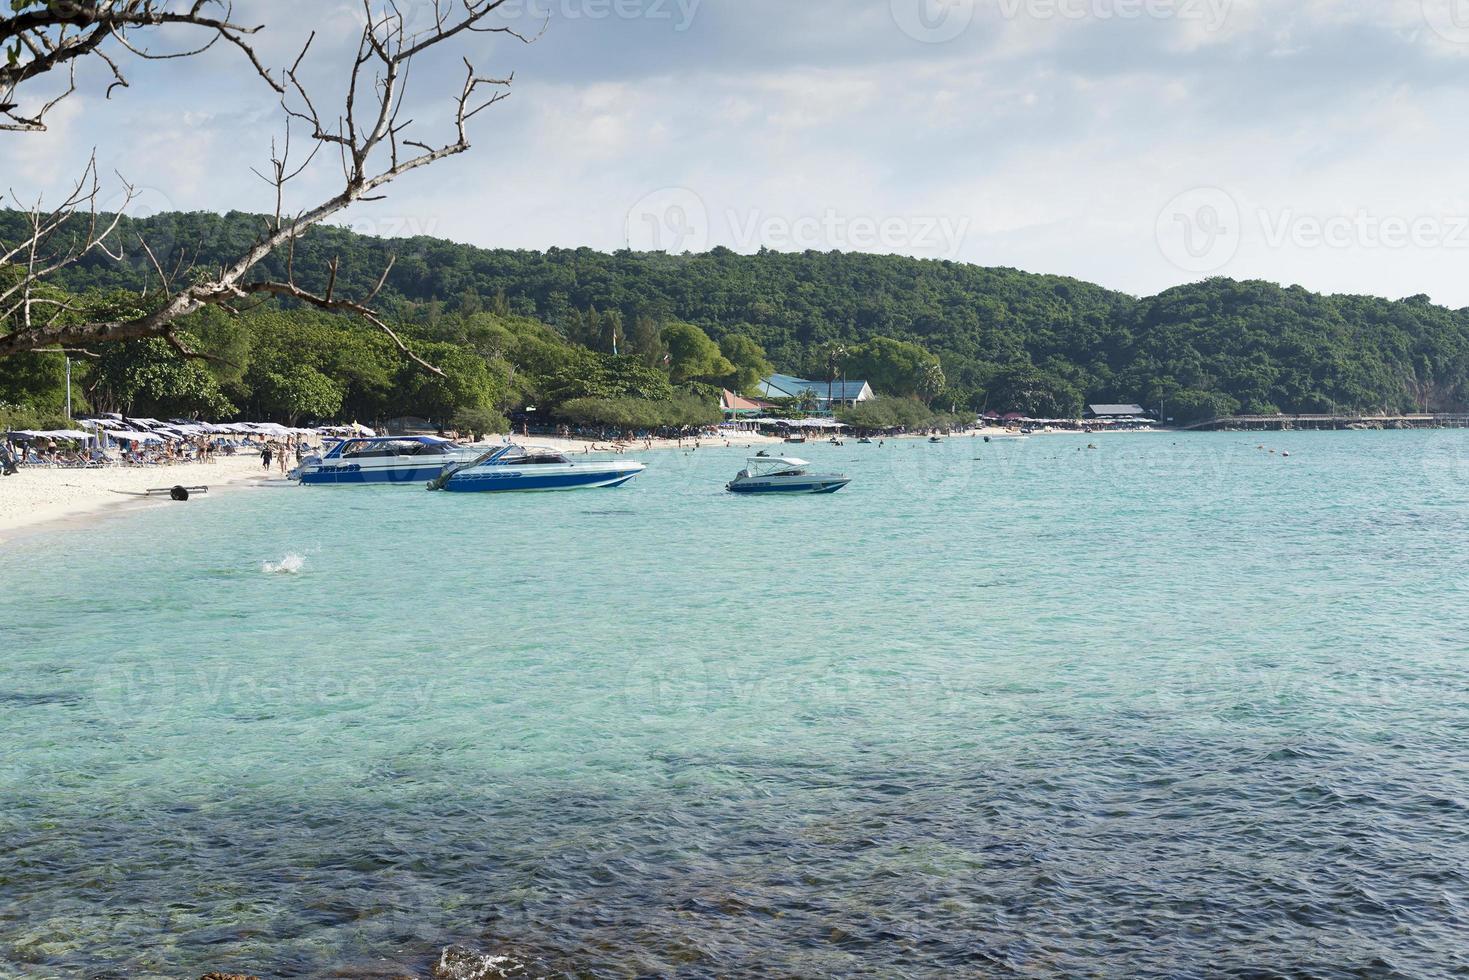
1176,706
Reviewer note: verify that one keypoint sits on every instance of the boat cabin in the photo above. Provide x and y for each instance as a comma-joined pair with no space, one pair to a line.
774,466
380,447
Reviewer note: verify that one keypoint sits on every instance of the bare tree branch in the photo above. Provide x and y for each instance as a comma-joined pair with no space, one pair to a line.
370,138
46,35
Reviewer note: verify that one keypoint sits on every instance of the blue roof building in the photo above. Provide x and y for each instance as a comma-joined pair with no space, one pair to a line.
841,392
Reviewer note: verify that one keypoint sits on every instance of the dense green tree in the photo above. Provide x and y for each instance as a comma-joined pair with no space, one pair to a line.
1033,392
480,421
148,378
896,367
887,412
693,356
748,359
299,391
682,410
1252,344
646,341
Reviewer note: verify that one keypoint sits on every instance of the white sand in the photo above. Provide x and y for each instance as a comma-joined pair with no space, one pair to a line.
39,495
42,495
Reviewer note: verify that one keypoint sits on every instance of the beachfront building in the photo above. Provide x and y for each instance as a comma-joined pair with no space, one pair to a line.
1118,413
735,406
835,393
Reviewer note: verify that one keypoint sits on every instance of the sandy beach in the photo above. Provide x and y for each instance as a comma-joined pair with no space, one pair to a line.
39,496
42,495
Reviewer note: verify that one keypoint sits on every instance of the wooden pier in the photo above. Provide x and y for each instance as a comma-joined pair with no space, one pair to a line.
1283,423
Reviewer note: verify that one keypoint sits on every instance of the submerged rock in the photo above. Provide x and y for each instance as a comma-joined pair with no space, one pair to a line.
229,976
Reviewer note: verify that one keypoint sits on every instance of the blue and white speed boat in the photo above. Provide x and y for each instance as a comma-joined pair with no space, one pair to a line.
783,474
383,459
513,468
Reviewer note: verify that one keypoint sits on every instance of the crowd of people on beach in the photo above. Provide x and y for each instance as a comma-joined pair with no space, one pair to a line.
284,453
73,454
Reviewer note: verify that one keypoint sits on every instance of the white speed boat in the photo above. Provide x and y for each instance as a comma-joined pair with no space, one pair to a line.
783,474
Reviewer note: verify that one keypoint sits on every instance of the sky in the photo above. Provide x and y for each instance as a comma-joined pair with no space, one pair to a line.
1138,144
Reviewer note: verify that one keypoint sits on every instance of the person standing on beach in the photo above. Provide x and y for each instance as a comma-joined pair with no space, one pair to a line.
265,457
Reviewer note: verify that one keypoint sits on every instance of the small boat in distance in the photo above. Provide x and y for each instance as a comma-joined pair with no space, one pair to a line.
935,439
783,474
382,459
512,468
1007,437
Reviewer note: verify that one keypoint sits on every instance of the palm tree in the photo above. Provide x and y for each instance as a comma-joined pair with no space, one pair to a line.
836,354
932,382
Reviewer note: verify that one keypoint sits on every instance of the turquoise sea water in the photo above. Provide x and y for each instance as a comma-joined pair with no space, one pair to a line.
1173,707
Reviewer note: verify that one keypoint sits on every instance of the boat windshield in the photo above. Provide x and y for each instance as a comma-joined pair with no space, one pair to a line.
776,467
378,450
519,456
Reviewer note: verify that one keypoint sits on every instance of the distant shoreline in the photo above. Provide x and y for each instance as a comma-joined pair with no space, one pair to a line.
39,500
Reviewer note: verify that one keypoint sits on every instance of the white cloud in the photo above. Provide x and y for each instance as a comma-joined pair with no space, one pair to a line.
1056,142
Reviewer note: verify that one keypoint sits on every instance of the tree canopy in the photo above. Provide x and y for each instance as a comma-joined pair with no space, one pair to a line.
950,334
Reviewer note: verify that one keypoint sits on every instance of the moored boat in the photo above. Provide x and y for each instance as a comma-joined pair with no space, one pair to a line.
382,459
512,468
783,474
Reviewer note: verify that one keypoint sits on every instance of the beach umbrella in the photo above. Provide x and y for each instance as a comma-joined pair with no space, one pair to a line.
128,435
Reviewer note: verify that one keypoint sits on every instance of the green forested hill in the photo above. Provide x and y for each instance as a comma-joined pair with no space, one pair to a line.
1006,339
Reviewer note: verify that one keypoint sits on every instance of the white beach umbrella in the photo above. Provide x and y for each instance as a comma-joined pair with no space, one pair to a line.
128,435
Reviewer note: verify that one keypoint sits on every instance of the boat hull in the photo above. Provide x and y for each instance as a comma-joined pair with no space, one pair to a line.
355,474
830,484
540,479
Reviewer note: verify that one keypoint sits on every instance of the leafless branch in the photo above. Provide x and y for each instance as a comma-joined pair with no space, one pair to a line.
372,142
48,35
